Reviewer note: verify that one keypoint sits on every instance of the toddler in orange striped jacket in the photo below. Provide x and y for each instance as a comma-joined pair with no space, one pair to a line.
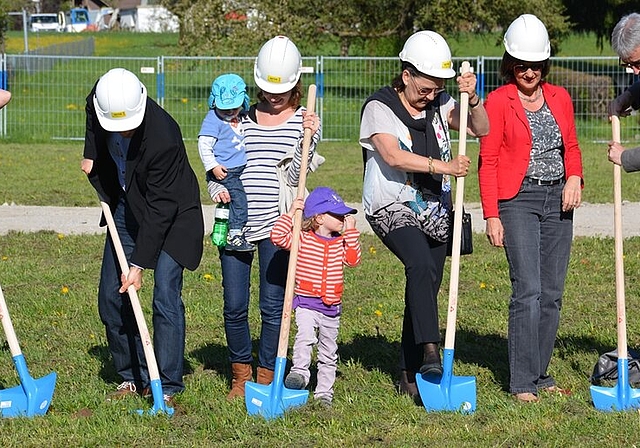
328,241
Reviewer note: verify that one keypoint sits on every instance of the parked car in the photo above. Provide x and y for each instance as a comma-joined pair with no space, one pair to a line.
44,22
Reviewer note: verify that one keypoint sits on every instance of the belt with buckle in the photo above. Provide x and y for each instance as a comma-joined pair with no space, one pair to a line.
531,180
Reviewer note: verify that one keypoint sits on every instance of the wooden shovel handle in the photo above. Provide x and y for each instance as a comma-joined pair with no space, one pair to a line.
619,252
450,333
147,345
10,333
285,324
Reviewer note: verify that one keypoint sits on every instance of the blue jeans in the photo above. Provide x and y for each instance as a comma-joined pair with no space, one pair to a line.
120,323
236,273
537,239
238,209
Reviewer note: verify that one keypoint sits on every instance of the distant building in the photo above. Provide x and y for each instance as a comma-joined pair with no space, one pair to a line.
133,15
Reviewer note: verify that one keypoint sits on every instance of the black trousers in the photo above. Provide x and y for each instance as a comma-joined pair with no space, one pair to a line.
423,259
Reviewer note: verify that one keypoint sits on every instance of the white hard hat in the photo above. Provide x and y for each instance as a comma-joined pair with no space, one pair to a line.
527,39
428,52
278,65
120,100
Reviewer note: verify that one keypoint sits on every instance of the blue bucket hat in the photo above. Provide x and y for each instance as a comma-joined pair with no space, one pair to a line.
228,91
325,200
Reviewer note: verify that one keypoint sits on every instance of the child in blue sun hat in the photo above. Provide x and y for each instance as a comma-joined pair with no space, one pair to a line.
222,151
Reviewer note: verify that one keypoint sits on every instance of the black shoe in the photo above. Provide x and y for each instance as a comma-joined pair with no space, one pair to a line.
431,364
433,369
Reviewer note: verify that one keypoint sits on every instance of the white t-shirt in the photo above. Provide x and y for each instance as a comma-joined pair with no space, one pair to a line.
383,184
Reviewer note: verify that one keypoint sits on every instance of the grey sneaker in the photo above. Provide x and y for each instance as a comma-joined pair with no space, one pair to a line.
294,381
239,244
325,402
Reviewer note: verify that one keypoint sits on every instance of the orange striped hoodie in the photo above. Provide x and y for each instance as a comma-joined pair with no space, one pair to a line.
319,271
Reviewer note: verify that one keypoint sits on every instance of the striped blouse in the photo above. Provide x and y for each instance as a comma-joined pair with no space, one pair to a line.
319,270
266,146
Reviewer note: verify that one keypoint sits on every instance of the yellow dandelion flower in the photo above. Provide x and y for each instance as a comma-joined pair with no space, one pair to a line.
71,107
60,236
372,250
378,313
64,290
5,258
483,285
184,100
208,277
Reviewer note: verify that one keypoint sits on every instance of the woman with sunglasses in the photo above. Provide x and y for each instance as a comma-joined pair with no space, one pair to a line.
404,134
530,174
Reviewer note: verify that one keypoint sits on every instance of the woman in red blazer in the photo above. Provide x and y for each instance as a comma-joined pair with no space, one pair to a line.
530,174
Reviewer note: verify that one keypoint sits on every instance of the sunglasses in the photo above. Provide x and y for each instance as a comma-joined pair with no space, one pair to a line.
631,65
536,67
426,91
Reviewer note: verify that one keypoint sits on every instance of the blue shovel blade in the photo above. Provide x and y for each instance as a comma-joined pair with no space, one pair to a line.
269,402
447,392
13,402
621,397
28,399
272,400
159,405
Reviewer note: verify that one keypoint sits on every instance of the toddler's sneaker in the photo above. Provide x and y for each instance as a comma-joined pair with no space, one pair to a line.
294,381
239,244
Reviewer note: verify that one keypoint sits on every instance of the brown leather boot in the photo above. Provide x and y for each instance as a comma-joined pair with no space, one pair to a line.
408,386
240,374
264,376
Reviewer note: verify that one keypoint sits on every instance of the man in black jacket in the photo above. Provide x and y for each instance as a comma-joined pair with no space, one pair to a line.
135,158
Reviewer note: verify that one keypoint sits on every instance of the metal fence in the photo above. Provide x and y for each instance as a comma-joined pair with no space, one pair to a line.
49,90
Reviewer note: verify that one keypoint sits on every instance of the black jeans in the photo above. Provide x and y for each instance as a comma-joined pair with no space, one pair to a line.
423,259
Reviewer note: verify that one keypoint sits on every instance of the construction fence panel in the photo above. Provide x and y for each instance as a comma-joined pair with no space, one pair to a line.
49,91
187,84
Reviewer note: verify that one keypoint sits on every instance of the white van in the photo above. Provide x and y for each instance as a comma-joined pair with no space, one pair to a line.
44,22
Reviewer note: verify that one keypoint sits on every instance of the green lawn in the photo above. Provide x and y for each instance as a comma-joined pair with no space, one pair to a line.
50,282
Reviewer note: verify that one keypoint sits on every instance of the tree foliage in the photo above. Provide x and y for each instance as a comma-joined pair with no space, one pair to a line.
454,16
7,6
602,17
234,27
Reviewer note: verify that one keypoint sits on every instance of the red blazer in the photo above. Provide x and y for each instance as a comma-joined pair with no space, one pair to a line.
505,151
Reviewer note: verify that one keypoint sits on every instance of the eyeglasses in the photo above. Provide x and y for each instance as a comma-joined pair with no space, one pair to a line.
631,65
426,91
535,67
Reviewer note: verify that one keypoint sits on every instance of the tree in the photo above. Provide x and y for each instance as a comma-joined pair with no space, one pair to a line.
453,16
7,6
603,16
229,27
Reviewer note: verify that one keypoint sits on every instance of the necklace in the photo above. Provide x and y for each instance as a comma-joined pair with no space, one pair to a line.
529,99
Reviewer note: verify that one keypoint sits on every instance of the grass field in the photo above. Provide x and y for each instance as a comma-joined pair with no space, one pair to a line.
50,282
22,167
155,44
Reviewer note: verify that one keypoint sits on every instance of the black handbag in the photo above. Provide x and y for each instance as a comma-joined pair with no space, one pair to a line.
606,369
466,245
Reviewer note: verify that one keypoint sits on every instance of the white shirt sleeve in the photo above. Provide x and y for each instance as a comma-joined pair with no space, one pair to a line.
207,155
